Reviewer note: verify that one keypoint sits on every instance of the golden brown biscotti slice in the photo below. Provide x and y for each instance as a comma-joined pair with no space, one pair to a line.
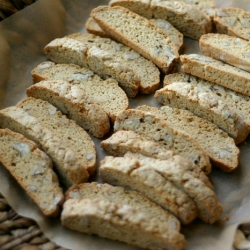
233,22
153,128
67,130
216,143
92,27
120,222
69,168
73,102
128,173
216,71
202,102
121,58
106,93
188,19
123,197
229,49
209,208
138,33
123,142
32,169
234,100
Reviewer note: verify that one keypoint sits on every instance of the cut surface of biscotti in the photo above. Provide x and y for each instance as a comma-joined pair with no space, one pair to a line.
153,128
216,143
67,130
121,196
124,142
229,49
73,102
234,100
69,168
189,20
216,71
92,27
233,21
127,172
138,33
32,169
119,222
195,98
106,93
209,208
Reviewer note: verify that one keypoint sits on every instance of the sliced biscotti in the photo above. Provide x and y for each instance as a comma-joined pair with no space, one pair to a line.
189,20
233,21
128,173
216,143
153,128
229,49
124,142
73,102
201,101
121,196
67,130
106,93
32,169
235,101
119,222
216,71
137,33
92,27
68,166
209,208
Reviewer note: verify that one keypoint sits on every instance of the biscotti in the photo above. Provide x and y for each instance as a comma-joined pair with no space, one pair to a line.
175,36
127,172
216,71
120,222
235,101
158,130
189,20
32,169
155,46
229,49
126,62
209,208
216,143
67,130
122,197
106,93
194,97
69,168
233,22
124,142
73,102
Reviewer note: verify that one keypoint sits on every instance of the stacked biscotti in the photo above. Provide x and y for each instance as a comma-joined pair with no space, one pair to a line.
157,159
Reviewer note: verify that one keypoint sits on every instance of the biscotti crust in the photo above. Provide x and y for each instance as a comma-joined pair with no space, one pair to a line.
32,169
156,47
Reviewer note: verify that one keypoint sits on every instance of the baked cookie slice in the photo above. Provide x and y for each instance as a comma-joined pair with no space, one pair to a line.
127,172
125,142
151,127
202,102
73,102
119,222
92,27
127,63
229,49
217,144
67,130
105,93
123,197
216,71
32,169
147,39
233,22
185,17
70,169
